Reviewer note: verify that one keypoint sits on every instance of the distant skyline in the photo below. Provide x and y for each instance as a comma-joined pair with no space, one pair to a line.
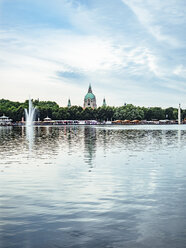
129,50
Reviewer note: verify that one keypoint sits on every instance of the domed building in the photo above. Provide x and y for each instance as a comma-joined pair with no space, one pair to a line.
90,99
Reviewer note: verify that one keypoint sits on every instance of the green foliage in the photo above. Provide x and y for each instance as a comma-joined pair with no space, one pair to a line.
15,110
88,114
184,114
171,113
105,113
46,108
155,113
74,112
129,112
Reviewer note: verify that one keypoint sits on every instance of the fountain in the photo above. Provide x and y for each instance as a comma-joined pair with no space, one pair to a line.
30,114
179,114
30,117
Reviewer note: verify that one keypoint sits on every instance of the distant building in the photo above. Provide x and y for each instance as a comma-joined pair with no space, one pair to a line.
69,103
104,102
5,121
90,99
47,119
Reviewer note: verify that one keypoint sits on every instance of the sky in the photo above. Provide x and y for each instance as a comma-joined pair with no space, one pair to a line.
131,51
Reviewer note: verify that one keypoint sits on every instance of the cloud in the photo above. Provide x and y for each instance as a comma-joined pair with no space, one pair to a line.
69,53
122,49
160,18
70,75
180,70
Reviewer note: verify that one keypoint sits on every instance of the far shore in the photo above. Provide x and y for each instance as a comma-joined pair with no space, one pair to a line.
95,123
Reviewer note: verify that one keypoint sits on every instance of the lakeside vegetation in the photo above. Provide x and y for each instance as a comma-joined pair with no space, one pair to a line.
15,110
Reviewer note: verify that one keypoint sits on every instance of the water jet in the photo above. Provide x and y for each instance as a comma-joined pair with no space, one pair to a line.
30,114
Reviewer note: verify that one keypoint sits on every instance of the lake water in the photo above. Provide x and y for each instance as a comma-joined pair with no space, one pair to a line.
91,186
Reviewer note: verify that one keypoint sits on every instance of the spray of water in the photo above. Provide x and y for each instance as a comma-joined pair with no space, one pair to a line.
30,117
30,114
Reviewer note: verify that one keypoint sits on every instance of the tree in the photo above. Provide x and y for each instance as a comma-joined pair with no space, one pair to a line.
171,113
88,114
75,112
46,108
105,113
157,113
15,110
129,112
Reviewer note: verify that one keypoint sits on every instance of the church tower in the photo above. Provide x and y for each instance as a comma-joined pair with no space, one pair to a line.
104,102
69,103
90,99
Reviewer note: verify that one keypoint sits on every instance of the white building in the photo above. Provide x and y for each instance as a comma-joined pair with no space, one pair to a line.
5,121
47,119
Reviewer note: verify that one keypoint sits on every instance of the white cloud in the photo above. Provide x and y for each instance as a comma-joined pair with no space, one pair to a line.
112,60
56,51
158,17
180,70
32,64
143,56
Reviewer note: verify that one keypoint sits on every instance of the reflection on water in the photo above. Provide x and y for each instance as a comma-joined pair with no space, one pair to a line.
89,145
74,186
30,136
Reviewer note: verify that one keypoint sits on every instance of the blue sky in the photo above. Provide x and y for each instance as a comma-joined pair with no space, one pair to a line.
131,51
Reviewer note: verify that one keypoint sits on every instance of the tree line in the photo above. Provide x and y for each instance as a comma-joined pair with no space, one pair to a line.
15,111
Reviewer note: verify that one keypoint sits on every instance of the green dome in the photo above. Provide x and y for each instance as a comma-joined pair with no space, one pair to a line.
89,96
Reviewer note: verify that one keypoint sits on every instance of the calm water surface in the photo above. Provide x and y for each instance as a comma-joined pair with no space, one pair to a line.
97,187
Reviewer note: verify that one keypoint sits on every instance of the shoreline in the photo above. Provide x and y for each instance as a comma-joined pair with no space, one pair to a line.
73,124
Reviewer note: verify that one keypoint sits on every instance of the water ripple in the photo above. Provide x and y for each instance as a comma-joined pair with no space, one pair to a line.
93,187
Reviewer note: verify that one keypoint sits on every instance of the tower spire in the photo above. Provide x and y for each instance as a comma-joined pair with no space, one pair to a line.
90,89
104,102
69,103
